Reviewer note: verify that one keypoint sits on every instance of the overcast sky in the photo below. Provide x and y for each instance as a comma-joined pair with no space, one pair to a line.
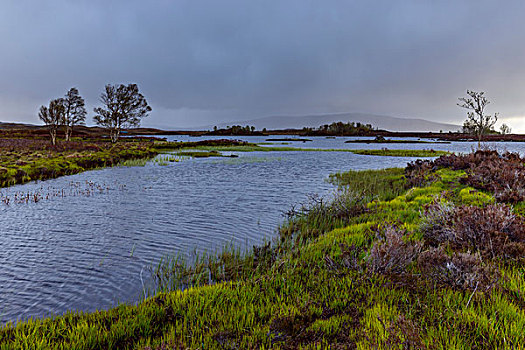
205,62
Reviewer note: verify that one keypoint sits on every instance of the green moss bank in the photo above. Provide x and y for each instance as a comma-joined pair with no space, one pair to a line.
30,164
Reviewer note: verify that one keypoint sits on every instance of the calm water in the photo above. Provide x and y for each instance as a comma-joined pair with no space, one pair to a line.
87,241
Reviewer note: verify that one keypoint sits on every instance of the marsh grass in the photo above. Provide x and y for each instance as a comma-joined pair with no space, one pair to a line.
400,152
179,271
383,184
29,160
133,162
165,159
74,189
319,215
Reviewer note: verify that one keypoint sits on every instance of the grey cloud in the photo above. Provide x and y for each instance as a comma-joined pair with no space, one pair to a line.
200,60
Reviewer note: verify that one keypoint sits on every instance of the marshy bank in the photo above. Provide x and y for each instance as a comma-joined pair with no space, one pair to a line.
399,258
24,160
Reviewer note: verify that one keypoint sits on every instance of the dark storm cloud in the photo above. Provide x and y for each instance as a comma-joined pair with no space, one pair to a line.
201,61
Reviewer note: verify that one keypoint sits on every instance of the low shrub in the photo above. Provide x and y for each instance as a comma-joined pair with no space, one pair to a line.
493,230
391,253
437,222
501,174
461,271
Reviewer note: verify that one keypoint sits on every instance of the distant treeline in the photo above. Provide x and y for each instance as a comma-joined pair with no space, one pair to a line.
340,129
237,130
334,129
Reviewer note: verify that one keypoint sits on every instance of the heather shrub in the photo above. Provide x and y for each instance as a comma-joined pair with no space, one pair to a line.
484,229
501,174
349,258
403,333
493,230
437,222
391,254
462,271
420,173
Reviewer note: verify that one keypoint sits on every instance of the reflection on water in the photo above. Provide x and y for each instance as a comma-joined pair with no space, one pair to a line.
86,239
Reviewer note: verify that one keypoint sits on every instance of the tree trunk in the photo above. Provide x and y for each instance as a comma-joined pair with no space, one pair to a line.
479,140
53,134
114,134
68,132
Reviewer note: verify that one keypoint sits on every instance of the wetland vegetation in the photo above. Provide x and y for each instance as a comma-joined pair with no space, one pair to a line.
430,256
24,160
400,152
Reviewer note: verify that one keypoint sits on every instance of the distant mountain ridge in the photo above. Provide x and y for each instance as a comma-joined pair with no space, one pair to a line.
298,122
378,121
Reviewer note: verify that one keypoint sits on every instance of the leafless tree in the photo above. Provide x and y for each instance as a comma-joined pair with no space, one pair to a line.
124,107
477,121
53,117
74,111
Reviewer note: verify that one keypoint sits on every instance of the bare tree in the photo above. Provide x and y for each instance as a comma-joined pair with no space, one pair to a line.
505,129
74,111
477,121
124,107
53,117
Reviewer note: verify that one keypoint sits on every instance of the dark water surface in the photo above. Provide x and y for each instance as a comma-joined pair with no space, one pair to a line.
88,240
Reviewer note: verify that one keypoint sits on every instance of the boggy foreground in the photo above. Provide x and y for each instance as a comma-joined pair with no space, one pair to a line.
430,256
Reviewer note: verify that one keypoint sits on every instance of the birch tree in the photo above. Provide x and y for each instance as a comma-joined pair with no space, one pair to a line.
74,111
53,117
123,107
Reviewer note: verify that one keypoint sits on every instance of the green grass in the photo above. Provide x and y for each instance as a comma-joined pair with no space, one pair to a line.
383,184
17,167
394,141
310,288
400,152
133,162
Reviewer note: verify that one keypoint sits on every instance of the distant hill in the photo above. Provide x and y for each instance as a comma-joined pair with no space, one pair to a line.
4,125
298,122
379,121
